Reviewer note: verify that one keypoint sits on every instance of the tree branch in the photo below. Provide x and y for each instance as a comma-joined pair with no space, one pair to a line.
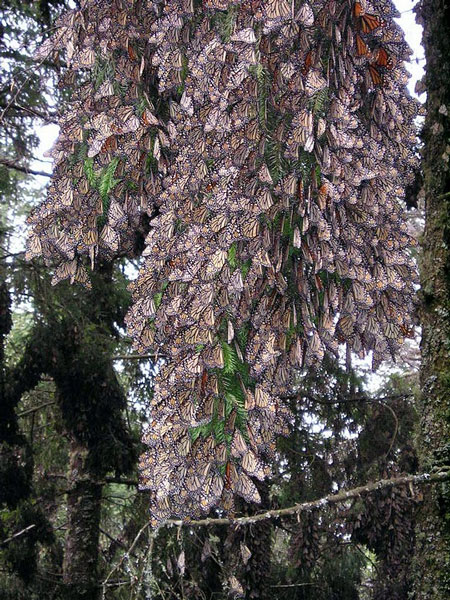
137,356
47,117
11,164
18,534
132,482
361,398
29,411
342,496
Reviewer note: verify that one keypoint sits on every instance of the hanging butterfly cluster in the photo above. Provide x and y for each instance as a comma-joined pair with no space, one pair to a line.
279,232
109,144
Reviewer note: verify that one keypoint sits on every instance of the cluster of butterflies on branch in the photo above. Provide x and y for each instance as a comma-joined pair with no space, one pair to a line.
273,140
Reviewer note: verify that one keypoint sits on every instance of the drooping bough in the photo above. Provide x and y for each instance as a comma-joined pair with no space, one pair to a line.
280,138
109,146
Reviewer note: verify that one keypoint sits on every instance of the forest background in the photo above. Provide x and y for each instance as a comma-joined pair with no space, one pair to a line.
74,399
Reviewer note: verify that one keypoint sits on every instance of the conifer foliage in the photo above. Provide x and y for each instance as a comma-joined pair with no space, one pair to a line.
270,143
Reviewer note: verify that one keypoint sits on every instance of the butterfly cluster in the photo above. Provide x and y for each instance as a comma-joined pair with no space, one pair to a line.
288,141
110,141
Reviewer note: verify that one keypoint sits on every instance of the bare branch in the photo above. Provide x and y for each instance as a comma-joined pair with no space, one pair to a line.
137,356
11,164
16,535
131,482
30,411
361,398
47,117
394,415
342,496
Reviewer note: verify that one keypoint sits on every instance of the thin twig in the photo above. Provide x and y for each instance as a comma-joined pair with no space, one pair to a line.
361,398
112,538
291,585
394,437
21,86
125,555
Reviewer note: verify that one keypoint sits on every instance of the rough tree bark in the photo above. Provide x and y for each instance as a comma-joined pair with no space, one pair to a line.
83,510
432,559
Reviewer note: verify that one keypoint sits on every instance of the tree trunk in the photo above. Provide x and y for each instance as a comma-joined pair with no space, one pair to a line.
432,558
83,507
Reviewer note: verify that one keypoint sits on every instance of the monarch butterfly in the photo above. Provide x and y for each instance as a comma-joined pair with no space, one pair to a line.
305,15
246,488
218,222
160,510
383,59
212,489
213,357
34,246
197,335
367,22
346,326
238,445
362,49
392,331
277,9
263,399
253,466
314,82
375,75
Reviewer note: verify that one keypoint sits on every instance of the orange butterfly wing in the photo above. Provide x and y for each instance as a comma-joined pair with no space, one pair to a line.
362,49
358,9
383,59
308,62
370,22
109,145
375,75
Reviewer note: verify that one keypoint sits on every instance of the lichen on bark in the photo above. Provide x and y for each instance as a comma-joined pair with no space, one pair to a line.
432,558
